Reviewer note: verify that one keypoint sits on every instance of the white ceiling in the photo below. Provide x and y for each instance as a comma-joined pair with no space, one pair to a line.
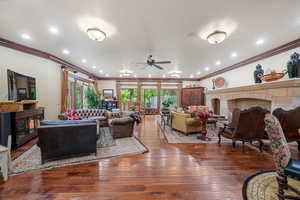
168,29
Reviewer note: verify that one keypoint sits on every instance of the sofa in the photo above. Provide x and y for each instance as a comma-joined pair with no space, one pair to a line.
67,140
99,114
185,123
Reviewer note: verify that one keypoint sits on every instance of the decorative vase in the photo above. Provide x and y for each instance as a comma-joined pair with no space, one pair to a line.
259,72
293,66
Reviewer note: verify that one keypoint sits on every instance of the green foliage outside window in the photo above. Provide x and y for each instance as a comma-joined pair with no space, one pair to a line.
92,99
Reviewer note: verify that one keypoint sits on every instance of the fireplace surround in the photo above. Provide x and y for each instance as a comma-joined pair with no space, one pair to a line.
283,94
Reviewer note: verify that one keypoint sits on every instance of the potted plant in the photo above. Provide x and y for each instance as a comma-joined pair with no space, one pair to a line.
93,100
166,104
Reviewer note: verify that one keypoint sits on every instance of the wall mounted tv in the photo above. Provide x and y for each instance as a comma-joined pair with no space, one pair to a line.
20,87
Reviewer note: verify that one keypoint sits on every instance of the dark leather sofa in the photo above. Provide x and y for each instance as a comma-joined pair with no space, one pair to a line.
67,140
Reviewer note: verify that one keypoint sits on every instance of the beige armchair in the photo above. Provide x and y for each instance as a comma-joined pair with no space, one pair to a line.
184,123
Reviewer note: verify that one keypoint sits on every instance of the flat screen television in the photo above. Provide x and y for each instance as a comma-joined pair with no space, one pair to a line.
20,87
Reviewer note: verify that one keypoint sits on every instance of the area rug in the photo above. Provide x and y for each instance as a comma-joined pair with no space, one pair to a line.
175,137
263,186
31,159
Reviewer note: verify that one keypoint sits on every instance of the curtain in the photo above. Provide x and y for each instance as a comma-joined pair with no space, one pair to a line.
64,90
98,92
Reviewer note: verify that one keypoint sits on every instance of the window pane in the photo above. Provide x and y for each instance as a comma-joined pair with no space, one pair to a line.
169,98
149,98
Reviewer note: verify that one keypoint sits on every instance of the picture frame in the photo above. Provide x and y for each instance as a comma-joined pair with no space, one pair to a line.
108,93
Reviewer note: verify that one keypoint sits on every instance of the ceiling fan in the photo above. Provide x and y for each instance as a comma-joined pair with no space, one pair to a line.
151,62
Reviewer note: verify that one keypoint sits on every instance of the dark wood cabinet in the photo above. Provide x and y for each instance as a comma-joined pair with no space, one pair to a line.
24,125
192,96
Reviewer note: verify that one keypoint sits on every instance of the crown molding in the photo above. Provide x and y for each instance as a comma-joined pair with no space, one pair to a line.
45,55
147,79
278,50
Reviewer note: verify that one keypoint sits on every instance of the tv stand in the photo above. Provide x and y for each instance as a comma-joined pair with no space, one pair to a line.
25,118
13,106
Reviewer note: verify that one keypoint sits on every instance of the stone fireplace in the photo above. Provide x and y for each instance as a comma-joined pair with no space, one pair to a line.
284,94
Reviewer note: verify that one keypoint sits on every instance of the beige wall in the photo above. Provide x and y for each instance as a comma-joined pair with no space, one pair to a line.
108,84
46,73
243,76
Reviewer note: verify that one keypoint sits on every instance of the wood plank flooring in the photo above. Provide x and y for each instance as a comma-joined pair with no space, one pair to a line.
168,171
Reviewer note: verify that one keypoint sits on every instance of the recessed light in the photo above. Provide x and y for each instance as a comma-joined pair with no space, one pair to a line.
206,68
234,54
83,60
26,36
260,42
100,71
54,30
191,76
198,73
66,51
94,67
218,63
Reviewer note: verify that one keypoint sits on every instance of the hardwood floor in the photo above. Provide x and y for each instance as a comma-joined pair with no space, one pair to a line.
168,171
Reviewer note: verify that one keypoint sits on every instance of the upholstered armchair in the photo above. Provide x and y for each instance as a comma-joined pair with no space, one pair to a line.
290,123
285,166
185,123
122,127
246,126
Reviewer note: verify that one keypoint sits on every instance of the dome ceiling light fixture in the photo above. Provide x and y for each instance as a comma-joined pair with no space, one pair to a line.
216,37
96,34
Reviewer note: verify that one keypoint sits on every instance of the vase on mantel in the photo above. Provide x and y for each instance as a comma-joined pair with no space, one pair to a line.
293,66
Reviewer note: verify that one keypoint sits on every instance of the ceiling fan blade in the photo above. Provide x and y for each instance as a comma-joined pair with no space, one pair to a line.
141,63
163,62
157,66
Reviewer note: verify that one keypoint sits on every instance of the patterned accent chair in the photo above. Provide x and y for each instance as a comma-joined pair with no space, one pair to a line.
99,114
246,126
290,123
285,166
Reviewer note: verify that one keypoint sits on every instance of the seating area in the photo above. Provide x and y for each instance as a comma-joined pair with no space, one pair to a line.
139,99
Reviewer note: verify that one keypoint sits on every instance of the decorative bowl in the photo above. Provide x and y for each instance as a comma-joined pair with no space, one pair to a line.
273,76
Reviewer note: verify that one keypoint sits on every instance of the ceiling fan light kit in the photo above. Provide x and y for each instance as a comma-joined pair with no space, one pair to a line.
216,37
96,34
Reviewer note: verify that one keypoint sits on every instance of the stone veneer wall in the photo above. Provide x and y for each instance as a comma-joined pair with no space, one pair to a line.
284,94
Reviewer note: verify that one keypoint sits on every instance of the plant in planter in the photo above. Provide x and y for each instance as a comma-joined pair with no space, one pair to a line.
166,104
93,100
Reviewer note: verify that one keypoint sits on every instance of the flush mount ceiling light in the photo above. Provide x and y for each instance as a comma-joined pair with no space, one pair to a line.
96,34
216,37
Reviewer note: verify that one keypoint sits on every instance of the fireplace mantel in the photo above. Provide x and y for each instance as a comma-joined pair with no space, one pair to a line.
284,94
263,86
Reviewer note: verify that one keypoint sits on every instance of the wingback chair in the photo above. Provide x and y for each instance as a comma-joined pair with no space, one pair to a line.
246,126
285,166
290,123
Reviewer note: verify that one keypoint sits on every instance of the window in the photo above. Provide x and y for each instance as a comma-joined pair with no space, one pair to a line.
169,97
149,98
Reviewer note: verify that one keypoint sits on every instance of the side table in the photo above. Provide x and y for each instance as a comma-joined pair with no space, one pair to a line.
4,161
